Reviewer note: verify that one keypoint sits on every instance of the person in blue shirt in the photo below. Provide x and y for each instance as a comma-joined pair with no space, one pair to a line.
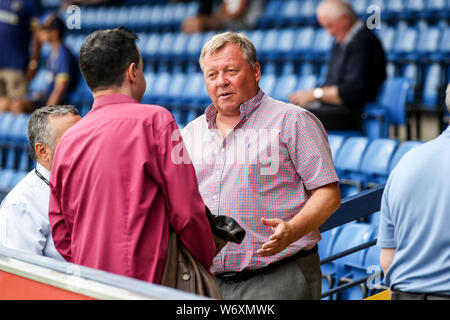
415,222
17,65
62,66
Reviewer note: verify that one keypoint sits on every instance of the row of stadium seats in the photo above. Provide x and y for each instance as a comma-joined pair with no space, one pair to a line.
402,43
362,163
354,266
279,13
157,17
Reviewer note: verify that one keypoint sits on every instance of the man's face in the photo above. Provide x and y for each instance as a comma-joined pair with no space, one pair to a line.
338,28
59,125
230,80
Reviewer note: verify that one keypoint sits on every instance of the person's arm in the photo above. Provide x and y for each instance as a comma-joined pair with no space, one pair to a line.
386,258
330,96
227,12
322,203
21,229
59,90
187,212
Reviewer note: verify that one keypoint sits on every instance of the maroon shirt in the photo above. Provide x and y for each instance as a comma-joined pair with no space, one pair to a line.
115,190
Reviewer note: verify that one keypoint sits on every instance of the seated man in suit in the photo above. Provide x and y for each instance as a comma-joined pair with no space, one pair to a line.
356,70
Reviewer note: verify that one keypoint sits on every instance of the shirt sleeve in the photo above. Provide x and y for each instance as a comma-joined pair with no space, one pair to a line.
386,235
309,149
60,231
187,214
20,229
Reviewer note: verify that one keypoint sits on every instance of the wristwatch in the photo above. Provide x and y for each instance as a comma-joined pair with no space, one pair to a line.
318,93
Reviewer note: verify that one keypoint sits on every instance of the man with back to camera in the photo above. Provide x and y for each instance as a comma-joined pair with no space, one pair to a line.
24,223
415,222
356,70
115,190
268,165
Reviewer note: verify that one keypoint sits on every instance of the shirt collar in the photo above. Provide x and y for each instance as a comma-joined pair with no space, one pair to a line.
108,99
351,34
246,109
42,170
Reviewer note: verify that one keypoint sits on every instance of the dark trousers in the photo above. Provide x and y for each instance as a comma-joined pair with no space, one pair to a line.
335,117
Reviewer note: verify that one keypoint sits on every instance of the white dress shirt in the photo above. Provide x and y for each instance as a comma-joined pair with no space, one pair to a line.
24,223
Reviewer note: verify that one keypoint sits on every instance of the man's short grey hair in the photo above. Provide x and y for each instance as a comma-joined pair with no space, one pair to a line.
334,9
220,40
447,97
39,129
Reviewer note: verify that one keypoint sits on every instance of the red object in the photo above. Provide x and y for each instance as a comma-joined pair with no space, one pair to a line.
115,190
15,287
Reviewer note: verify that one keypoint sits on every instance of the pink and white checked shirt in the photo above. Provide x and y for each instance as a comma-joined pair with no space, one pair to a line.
264,167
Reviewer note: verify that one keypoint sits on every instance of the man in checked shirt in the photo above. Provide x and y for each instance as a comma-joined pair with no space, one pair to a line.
268,165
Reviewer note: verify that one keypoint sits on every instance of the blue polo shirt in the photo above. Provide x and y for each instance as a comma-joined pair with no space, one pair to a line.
15,32
415,219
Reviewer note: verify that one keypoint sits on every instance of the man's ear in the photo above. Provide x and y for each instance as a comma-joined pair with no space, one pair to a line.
42,151
132,72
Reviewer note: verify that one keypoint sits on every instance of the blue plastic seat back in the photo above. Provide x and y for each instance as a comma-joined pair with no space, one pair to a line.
304,40
335,142
377,157
393,98
431,82
350,154
267,83
351,235
286,84
7,176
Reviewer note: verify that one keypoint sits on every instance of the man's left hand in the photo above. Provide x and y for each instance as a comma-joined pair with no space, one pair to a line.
281,238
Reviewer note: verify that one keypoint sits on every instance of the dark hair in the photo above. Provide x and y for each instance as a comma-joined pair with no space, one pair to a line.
105,55
39,129
53,22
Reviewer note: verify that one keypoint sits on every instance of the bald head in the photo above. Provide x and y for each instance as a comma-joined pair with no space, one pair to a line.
334,9
337,17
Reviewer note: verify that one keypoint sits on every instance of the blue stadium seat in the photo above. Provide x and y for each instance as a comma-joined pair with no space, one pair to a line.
151,47
350,235
285,85
322,44
195,94
429,38
176,89
270,15
401,150
335,142
164,52
375,162
405,45
390,108
19,175
158,93
269,46
305,82
302,48
432,85
7,177
267,83
348,162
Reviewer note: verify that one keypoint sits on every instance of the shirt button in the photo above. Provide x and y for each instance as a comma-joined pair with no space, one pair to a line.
217,172
213,134
214,197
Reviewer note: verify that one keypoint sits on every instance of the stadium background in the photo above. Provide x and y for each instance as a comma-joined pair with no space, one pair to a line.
293,51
